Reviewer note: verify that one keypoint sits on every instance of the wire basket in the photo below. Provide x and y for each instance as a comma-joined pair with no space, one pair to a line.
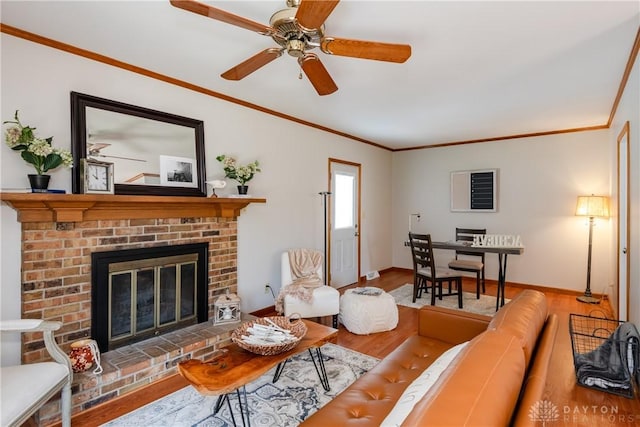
295,326
591,335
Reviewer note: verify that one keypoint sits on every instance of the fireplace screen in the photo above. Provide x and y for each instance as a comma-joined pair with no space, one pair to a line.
139,294
151,294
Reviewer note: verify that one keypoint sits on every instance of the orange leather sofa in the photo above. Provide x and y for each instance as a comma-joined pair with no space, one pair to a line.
494,381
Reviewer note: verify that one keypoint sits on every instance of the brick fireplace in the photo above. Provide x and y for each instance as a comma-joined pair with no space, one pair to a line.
59,234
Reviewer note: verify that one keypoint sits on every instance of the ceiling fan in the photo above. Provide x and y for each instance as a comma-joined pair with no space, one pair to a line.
298,29
94,151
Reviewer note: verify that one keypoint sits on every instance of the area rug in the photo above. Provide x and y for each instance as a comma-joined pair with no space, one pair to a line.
297,394
485,305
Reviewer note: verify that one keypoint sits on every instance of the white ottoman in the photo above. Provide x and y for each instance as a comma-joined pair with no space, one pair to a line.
367,310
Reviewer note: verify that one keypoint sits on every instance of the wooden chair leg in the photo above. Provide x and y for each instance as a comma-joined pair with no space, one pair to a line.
433,293
66,405
478,285
459,282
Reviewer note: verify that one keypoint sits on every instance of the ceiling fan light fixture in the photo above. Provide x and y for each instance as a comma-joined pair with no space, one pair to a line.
296,48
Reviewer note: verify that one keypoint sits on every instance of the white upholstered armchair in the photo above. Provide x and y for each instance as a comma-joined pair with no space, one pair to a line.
25,388
325,299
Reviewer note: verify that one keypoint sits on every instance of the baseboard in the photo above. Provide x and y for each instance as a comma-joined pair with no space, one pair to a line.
383,271
267,311
545,288
540,288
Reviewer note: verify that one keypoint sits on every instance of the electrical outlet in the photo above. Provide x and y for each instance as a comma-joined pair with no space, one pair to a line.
267,287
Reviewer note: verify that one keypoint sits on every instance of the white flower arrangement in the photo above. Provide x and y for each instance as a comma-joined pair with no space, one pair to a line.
242,174
36,151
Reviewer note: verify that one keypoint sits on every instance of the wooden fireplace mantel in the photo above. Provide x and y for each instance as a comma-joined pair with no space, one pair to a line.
88,207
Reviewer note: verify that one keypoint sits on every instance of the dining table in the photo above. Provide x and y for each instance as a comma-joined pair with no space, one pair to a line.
502,251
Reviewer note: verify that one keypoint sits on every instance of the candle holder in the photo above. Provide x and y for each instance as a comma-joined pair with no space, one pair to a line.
226,309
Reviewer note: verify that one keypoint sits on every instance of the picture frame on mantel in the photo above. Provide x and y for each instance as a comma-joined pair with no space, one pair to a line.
135,139
177,171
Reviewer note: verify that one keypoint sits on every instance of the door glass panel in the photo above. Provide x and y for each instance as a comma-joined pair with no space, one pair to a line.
343,201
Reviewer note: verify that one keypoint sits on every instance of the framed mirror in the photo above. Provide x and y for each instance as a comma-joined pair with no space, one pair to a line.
153,153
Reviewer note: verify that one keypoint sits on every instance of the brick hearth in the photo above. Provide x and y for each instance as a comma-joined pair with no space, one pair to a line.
131,367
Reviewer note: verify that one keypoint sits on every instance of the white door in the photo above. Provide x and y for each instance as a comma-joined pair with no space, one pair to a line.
345,216
623,229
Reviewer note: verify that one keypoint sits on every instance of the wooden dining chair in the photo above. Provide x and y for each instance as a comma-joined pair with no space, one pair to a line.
461,262
426,272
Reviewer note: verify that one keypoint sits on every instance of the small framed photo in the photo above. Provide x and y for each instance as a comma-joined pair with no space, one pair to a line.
178,171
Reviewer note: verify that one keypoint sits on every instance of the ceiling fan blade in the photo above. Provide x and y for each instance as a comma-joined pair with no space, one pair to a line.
117,157
97,146
317,74
313,13
366,49
247,67
221,15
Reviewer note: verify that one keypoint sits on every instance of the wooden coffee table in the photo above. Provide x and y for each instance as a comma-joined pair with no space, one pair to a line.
232,368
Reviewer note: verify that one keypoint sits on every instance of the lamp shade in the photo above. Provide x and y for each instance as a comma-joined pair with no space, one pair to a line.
593,206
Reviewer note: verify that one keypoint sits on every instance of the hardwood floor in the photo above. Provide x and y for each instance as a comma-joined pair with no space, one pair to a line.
577,406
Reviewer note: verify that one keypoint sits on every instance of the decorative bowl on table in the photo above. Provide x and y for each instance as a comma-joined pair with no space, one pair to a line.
269,335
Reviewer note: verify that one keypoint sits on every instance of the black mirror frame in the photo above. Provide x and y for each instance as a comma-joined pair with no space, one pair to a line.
80,101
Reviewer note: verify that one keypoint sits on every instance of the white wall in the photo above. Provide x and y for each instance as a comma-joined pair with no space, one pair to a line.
628,110
37,80
539,181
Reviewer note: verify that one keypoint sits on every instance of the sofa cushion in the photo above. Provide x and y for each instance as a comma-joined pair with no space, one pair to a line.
535,383
449,325
26,386
479,388
523,317
420,386
368,400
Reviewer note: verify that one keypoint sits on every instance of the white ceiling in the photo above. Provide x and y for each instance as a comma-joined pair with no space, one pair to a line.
478,69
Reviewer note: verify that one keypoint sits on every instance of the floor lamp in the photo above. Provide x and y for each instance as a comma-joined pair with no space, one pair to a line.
591,206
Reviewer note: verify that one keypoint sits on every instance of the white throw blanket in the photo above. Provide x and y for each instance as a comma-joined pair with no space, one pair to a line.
304,264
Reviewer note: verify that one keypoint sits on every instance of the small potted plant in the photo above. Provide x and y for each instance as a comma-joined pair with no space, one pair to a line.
36,151
242,174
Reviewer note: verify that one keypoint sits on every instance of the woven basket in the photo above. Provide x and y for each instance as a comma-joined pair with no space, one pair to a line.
297,328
